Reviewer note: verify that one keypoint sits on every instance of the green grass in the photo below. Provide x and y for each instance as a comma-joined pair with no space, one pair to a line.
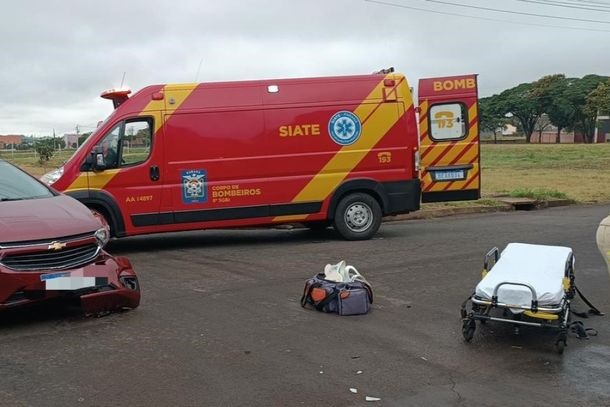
28,160
580,172
547,156
538,194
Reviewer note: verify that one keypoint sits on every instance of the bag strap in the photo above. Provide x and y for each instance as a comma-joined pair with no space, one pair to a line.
581,332
369,290
307,293
592,309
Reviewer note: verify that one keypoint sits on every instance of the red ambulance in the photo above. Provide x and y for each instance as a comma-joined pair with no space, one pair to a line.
341,151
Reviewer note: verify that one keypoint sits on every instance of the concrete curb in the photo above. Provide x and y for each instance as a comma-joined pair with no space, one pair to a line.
467,210
450,211
438,213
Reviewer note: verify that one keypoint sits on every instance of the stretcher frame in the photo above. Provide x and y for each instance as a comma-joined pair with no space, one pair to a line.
555,317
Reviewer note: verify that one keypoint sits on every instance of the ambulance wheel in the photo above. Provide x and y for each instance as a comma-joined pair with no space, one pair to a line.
468,328
358,217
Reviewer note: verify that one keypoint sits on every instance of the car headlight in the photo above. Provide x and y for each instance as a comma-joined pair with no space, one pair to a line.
52,176
102,235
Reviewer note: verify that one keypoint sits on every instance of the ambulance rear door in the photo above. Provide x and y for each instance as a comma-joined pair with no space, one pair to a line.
449,139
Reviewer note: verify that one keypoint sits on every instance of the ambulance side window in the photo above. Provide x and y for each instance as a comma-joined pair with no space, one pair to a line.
448,121
136,141
109,147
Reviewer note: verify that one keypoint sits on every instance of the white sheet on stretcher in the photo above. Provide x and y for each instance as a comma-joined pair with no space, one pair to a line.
542,267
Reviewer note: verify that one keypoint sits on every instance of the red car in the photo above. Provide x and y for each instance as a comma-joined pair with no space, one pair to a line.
51,246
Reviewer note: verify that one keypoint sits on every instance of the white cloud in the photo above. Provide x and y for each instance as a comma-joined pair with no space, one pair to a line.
57,56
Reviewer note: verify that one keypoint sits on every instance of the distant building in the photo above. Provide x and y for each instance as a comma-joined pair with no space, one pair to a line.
71,140
509,130
10,140
549,135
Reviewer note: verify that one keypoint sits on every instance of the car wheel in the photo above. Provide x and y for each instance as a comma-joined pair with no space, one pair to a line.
357,217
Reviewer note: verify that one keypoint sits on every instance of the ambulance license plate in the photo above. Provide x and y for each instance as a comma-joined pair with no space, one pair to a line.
449,175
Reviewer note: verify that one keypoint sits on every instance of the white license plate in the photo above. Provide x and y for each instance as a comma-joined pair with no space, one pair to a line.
63,281
449,175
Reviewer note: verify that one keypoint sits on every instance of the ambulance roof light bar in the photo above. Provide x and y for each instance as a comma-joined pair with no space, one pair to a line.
384,71
118,96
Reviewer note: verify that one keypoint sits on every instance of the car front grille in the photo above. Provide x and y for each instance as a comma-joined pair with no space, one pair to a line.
48,259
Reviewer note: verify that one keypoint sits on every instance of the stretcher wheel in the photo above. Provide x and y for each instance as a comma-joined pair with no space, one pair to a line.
561,343
468,328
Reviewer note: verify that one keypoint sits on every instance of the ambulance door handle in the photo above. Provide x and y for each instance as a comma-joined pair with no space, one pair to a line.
154,173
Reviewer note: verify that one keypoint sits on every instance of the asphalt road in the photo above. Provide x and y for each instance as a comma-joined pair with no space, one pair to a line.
220,324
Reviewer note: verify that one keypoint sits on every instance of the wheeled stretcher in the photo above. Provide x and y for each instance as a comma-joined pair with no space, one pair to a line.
526,284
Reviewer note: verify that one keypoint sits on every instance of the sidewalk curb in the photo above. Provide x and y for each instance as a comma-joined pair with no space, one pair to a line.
444,212
439,213
501,207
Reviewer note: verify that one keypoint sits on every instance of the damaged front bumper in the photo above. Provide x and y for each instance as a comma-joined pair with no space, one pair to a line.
109,284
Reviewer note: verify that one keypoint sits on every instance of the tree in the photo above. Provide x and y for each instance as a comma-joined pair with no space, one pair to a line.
585,115
548,91
522,103
45,149
542,124
489,119
561,111
599,99
83,137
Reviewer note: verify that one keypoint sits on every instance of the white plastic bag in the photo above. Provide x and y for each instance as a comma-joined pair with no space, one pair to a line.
342,273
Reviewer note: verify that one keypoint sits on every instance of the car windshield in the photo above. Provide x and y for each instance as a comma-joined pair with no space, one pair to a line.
16,185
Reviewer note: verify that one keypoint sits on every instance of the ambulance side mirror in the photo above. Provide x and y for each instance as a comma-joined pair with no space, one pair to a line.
96,159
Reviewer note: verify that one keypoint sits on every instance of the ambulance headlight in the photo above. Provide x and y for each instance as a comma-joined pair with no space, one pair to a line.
102,235
52,176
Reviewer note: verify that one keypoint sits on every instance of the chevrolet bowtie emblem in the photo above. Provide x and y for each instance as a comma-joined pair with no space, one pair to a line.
57,246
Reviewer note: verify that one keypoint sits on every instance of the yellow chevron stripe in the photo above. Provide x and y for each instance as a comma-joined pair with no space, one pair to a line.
472,112
381,118
473,173
154,108
178,93
423,122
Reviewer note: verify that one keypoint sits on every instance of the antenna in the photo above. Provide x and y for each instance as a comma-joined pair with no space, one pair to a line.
199,69
123,80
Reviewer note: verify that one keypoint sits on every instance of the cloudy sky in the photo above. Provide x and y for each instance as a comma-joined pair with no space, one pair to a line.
57,56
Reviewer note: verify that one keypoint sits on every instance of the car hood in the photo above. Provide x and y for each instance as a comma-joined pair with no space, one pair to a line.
46,218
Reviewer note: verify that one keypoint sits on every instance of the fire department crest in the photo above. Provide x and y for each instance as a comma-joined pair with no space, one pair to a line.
344,128
194,186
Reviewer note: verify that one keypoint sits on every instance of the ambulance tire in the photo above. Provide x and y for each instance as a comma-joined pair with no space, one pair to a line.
358,216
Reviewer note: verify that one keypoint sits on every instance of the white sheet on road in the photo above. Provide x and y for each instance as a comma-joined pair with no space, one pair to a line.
542,267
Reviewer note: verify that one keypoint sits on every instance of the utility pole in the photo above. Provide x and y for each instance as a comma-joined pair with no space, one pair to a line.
77,135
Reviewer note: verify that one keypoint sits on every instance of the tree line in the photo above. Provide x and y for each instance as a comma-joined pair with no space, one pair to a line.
567,103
